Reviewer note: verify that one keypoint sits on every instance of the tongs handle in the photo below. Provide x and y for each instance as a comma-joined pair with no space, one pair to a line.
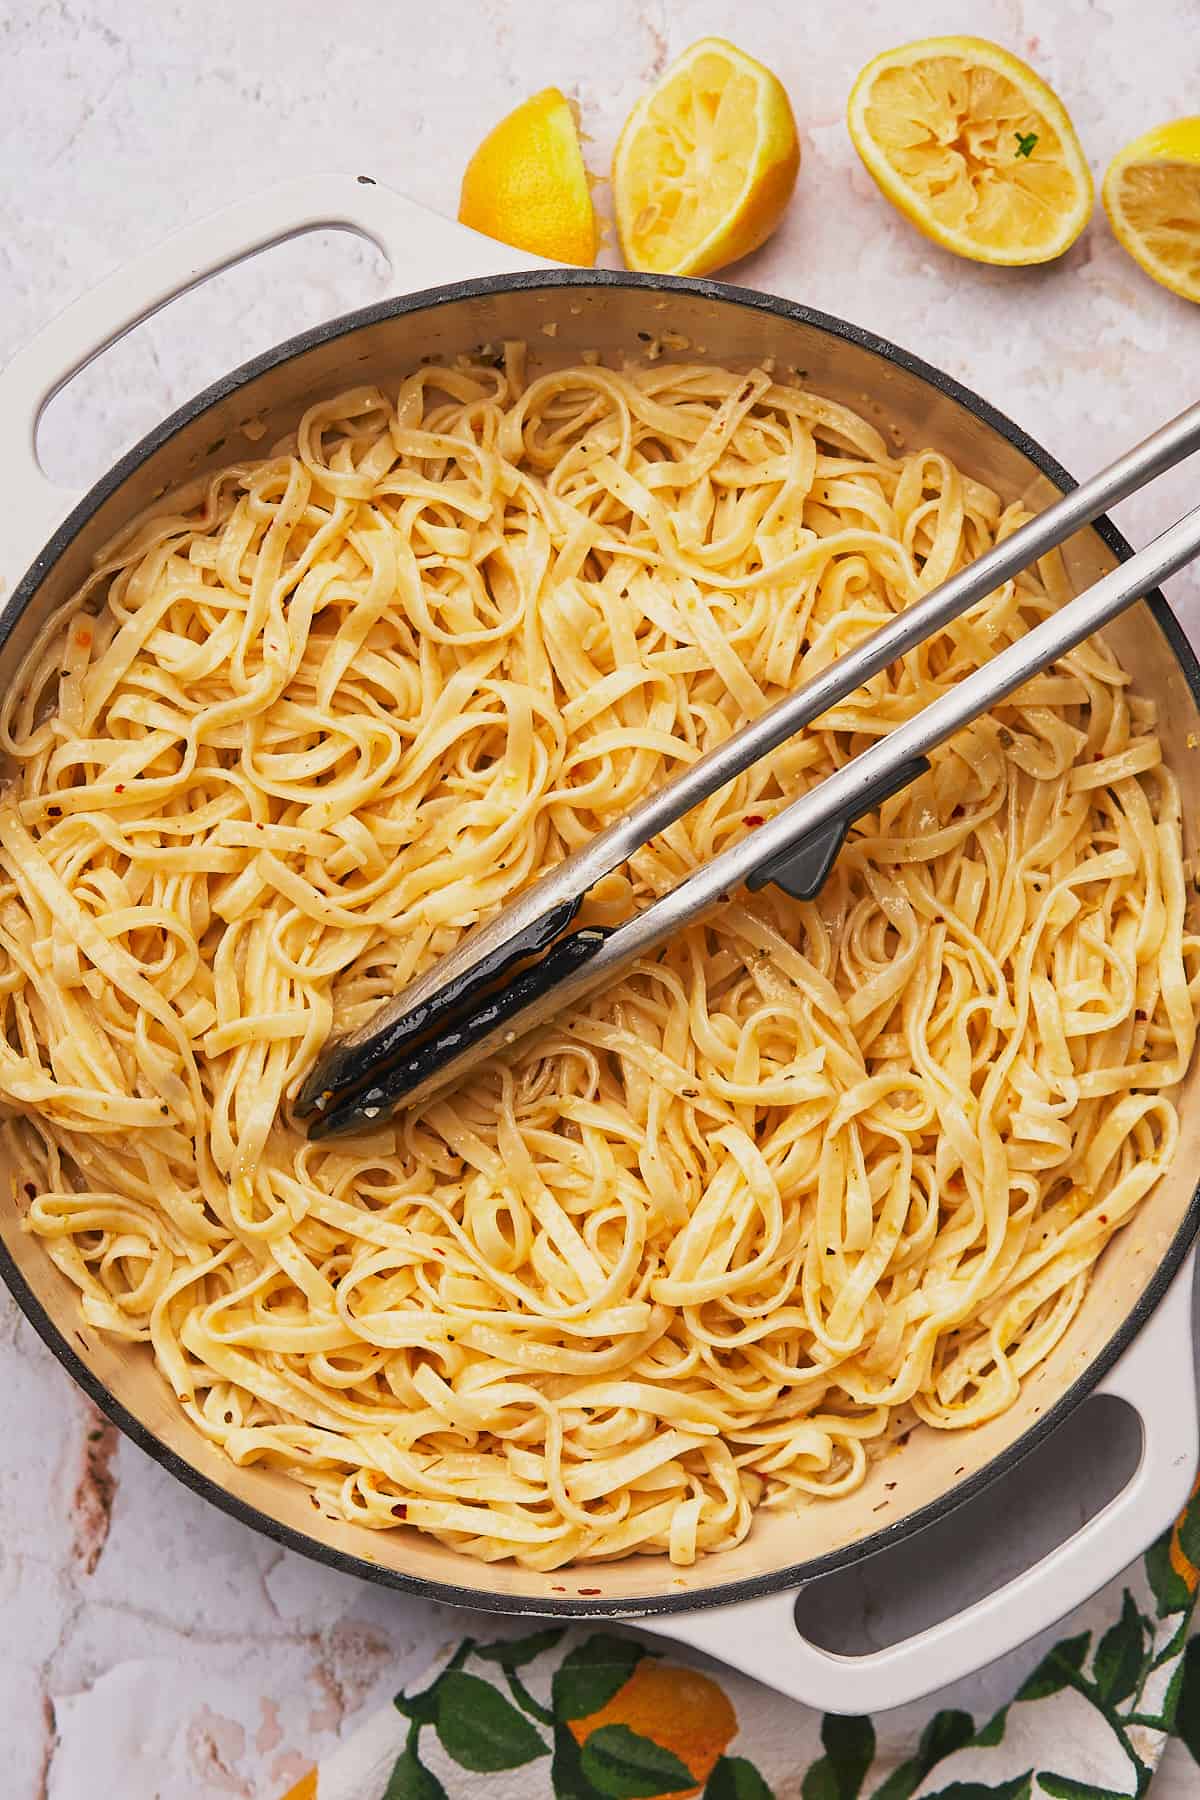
799,843
570,880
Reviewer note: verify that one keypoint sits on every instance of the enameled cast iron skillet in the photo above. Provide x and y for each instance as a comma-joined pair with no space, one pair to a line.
1132,1336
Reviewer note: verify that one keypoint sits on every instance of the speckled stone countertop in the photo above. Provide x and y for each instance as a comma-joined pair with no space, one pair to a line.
151,1646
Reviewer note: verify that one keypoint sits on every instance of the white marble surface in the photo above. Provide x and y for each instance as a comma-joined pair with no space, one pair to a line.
152,1647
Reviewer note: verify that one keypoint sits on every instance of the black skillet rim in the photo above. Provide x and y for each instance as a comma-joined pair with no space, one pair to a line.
776,1580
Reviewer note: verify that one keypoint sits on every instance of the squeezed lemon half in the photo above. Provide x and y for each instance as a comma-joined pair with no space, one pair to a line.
972,146
1152,197
705,164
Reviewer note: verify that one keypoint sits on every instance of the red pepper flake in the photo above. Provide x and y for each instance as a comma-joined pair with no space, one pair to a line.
754,819
558,1590
120,787
588,1591
400,1510
1104,1218
84,639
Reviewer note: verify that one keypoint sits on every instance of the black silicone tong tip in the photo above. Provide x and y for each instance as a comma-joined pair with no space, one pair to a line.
357,1062
360,1081
802,867
367,1107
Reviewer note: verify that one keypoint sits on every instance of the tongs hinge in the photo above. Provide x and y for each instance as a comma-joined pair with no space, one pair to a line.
515,971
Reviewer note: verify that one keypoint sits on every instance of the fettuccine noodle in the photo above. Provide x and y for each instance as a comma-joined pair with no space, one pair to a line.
813,1174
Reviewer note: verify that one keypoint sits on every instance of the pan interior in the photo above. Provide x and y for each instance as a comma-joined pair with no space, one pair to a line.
559,318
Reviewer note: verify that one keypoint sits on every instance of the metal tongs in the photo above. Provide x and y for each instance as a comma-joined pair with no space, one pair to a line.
513,973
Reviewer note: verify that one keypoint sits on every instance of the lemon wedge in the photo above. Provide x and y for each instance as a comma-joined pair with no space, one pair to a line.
705,164
1152,197
972,146
527,184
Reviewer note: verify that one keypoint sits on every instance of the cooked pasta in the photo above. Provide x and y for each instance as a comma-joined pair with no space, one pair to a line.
815,1173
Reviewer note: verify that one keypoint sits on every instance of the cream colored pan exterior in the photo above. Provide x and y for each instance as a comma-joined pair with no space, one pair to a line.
737,1604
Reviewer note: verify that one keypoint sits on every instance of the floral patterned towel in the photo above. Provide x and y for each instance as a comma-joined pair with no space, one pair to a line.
596,1713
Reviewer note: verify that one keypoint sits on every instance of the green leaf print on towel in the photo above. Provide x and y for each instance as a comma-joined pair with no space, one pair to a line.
945,1733
1120,1654
591,1673
849,1752
480,1729
627,1766
733,1778
411,1780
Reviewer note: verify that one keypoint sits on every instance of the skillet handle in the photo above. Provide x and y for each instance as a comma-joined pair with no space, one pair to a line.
421,247
1155,1376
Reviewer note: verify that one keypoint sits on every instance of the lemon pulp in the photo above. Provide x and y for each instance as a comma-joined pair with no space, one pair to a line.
974,148
705,164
